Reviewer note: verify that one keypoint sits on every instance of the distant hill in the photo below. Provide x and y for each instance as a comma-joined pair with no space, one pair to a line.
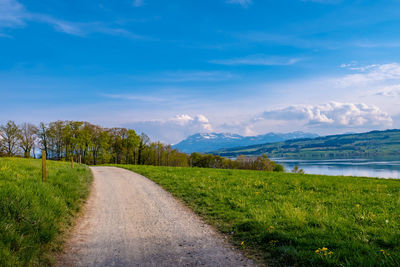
206,142
375,144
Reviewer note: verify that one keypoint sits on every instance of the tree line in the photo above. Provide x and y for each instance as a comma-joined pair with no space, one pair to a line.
93,144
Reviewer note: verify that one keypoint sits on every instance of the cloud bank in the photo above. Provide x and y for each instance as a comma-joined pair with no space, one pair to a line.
333,117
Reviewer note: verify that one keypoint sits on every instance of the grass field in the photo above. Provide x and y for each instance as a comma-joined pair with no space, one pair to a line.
34,215
294,219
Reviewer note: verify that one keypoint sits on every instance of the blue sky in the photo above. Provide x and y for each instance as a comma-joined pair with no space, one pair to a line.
174,68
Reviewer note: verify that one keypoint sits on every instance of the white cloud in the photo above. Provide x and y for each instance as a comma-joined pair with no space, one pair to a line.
324,1
371,74
333,114
131,97
173,130
189,76
138,3
13,14
391,91
261,60
243,3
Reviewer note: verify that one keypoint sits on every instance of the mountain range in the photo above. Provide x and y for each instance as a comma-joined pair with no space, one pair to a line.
206,142
374,144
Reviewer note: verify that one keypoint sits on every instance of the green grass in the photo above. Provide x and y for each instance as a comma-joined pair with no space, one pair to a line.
284,218
35,215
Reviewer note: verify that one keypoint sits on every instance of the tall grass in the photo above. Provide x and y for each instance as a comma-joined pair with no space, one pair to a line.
33,214
294,219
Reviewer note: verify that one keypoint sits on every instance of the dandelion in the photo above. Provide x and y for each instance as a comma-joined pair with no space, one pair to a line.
324,252
242,243
270,228
357,205
387,221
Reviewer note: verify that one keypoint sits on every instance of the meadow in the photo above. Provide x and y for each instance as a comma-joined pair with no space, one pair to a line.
34,216
286,219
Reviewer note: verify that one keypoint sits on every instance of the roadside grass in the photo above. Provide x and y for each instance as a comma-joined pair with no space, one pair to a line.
34,215
290,219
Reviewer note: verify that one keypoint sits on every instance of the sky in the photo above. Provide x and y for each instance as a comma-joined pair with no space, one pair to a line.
175,68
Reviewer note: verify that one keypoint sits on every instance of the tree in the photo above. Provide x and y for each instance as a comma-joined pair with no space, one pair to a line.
10,136
132,142
144,141
43,137
93,144
296,169
56,139
27,138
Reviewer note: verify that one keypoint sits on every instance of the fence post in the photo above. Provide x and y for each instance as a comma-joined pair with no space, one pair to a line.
44,170
80,159
72,162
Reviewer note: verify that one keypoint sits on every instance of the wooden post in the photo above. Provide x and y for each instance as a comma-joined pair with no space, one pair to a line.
72,162
44,170
80,159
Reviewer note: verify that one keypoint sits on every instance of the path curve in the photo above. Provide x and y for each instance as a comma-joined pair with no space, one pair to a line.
131,221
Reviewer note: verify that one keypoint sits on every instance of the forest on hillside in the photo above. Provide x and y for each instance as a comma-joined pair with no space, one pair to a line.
92,144
374,144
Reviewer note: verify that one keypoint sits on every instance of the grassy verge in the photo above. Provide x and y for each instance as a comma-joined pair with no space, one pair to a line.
34,215
294,219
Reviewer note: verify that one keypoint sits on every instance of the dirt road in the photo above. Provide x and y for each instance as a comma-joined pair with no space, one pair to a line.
131,221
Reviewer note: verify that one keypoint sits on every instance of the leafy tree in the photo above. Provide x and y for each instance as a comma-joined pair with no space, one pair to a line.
10,134
144,141
132,142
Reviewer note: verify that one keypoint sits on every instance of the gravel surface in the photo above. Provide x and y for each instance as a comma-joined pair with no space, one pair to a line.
131,221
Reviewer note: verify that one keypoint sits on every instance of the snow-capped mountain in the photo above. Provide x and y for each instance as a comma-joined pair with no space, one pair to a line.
206,142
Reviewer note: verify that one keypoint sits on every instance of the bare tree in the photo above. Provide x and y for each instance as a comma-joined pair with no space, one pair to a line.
43,137
27,136
10,137
2,145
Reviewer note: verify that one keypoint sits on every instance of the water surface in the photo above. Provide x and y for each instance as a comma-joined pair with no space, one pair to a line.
346,167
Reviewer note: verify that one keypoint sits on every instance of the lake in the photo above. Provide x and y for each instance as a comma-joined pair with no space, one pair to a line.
346,167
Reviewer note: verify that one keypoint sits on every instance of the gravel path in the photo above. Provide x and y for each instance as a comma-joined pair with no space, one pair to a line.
131,221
